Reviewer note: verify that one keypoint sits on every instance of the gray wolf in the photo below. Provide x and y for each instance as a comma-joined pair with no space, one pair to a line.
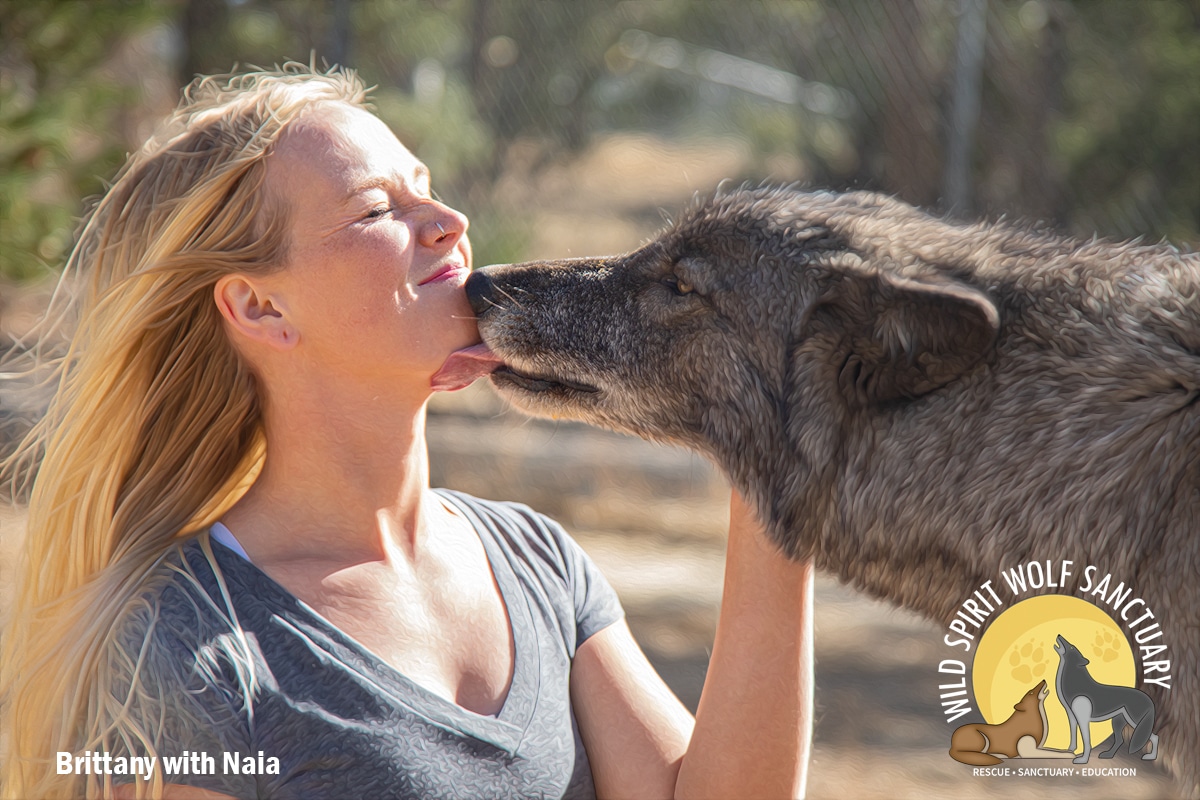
1087,701
911,402
1022,735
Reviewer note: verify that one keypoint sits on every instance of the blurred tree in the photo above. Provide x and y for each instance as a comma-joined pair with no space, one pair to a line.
205,27
1128,137
1018,167
60,119
1088,117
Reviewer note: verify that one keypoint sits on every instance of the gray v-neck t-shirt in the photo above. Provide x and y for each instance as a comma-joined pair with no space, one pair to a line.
341,722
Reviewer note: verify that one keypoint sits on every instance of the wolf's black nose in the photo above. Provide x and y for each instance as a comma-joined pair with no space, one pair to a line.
480,292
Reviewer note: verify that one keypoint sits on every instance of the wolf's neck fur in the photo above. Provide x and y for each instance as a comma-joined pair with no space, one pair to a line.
1073,679
1028,456
1058,681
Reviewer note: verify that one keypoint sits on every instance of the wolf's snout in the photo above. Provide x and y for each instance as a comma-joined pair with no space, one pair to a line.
481,292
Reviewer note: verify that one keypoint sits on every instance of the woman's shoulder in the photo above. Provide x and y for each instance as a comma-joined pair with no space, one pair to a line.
189,602
516,527
501,509
189,658
540,549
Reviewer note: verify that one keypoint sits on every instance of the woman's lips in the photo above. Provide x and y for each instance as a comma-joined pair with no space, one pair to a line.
449,272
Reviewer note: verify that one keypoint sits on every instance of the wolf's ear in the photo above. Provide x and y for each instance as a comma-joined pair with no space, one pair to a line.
902,337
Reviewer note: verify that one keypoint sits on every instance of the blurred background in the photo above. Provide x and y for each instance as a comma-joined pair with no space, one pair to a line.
573,128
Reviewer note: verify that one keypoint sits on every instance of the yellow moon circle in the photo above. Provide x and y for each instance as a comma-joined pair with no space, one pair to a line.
1017,651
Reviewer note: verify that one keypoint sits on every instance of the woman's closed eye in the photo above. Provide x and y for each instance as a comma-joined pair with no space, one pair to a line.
397,208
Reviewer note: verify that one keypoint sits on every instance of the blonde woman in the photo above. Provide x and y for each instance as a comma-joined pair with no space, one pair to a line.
237,573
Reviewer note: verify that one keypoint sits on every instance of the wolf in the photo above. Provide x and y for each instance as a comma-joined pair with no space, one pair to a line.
912,402
1022,735
1087,701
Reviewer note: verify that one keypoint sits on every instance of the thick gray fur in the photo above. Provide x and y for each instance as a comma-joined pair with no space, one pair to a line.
1087,700
913,403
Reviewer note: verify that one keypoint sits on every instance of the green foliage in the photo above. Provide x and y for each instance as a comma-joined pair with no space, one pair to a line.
58,108
1129,133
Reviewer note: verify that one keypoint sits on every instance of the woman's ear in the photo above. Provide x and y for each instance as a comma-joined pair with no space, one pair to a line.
253,313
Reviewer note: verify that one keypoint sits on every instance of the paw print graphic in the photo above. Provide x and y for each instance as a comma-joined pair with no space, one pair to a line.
1105,647
1027,661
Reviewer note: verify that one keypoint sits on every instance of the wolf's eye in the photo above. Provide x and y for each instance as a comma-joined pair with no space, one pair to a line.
679,287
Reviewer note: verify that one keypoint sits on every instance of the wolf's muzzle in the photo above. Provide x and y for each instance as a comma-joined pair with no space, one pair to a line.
481,292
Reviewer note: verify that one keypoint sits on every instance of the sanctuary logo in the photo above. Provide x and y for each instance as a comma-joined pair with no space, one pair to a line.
1055,676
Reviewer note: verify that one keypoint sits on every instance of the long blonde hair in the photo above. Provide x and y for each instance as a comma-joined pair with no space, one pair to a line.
154,428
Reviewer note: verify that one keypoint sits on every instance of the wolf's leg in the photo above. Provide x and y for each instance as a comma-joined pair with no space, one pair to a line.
1117,738
1153,754
1027,747
1082,706
1143,726
1072,723
969,745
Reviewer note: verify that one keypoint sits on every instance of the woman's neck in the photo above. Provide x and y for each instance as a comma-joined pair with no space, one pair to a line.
347,477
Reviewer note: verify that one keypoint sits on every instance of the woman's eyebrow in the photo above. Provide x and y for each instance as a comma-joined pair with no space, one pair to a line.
419,175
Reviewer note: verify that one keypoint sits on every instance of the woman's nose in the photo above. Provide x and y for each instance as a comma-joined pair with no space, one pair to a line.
444,227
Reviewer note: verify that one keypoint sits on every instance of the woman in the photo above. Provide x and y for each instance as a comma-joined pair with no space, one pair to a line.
235,550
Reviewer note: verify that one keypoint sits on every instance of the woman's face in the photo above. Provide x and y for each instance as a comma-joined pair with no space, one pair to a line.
373,280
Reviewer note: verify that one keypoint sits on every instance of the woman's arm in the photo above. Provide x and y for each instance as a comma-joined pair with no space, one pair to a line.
753,727
754,722
634,728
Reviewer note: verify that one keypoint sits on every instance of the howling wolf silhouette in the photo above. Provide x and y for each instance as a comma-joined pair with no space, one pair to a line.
1087,701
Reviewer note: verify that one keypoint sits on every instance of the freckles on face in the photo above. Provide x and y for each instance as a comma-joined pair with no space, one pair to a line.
375,264
335,170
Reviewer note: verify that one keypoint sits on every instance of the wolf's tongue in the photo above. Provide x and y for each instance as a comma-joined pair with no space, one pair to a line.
464,367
